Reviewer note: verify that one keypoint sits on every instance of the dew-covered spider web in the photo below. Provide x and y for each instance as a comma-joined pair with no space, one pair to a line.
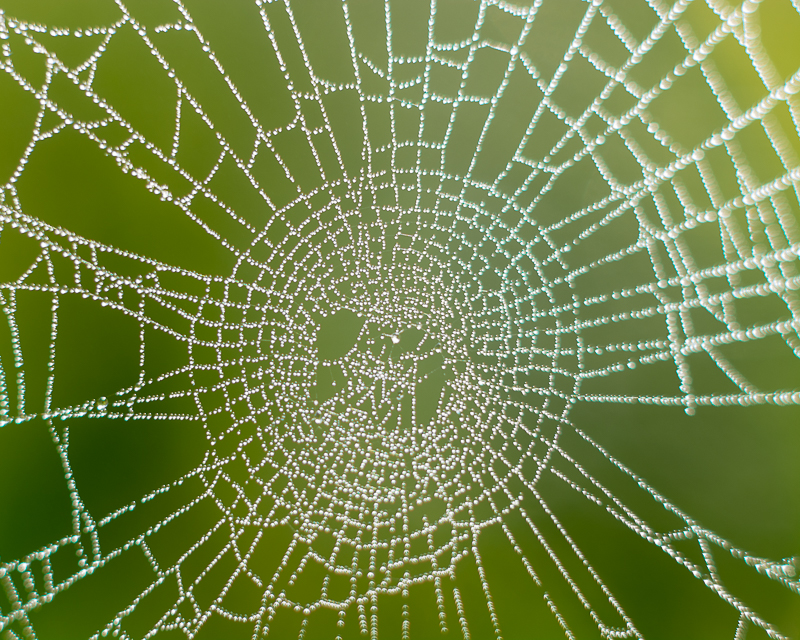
311,311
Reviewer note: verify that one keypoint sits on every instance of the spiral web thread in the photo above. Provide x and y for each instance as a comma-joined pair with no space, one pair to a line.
467,288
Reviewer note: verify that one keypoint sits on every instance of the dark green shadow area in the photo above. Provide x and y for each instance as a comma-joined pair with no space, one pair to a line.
97,351
116,461
36,505
92,601
733,469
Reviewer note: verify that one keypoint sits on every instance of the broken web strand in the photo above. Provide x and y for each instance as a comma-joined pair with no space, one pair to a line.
740,242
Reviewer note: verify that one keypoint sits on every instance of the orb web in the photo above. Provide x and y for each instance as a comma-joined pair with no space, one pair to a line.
299,299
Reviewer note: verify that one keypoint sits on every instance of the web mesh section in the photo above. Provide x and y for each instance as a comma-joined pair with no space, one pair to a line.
299,297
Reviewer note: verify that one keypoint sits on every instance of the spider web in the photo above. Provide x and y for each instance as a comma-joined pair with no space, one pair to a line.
303,294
